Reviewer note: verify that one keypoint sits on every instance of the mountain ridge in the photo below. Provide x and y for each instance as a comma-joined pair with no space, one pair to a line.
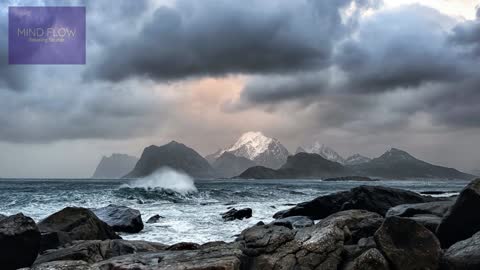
114,166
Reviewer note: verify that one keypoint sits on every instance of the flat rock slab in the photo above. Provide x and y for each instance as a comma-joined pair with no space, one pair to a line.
463,255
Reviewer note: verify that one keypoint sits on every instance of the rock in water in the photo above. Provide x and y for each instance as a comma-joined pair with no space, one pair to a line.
19,242
408,245
233,214
120,218
371,198
73,223
463,255
154,219
463,218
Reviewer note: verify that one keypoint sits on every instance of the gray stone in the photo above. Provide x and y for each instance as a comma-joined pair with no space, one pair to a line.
439,209
120,218
463,255
97,250
408,245
371,259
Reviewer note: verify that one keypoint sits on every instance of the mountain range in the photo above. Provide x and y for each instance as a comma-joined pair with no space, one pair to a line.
115,166
255,155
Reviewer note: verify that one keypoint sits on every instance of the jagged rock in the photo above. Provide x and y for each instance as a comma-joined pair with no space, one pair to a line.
233,214
73,223
371,259
120,218
439,209
62,265
316,247
463,255
154,219
408,245
19,241
294,222
218,256
92,251
372,198
463,218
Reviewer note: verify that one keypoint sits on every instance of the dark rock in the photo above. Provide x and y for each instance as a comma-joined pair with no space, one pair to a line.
19,242
184,246
154,219
212,257
435,192
294,222
260,223
73,223
315,247
439,209
463,218
62,265
233,214
430,222
408,245
92,251
372,198
120,218
463,255
371,259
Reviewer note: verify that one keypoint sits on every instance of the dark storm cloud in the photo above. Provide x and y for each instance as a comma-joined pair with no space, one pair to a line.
396,64
215,37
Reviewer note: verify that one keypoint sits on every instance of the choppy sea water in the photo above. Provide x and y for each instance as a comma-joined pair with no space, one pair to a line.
192,212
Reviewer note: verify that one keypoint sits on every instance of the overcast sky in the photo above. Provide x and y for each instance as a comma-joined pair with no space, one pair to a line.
358,75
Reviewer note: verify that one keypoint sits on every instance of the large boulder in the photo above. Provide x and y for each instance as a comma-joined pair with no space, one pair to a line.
463,255
92,251
408,245
463,218
233,214
73,223
316,247
371,198
439,209
120,218
62,265
19,242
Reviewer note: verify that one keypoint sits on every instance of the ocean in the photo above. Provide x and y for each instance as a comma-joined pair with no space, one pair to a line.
191,208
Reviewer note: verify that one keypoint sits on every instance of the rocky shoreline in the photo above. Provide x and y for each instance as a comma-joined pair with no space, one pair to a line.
367,227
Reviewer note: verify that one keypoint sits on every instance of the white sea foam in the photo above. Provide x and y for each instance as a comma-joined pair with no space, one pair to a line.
168,179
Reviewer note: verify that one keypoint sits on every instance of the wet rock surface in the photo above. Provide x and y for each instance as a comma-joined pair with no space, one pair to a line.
73,223
19,241
234,214
120,218
463,255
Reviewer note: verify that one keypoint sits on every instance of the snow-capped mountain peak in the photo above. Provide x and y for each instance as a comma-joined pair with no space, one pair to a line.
265,151
253,144
325,151
357,159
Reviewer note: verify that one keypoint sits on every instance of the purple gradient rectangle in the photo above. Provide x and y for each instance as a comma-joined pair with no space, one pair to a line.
46,35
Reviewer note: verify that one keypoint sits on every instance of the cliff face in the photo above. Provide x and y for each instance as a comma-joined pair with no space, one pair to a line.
115,166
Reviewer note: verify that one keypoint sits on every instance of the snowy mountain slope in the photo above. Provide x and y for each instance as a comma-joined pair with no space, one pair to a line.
325,151
356,159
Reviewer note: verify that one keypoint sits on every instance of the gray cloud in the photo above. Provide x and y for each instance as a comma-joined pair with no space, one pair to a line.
216,37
